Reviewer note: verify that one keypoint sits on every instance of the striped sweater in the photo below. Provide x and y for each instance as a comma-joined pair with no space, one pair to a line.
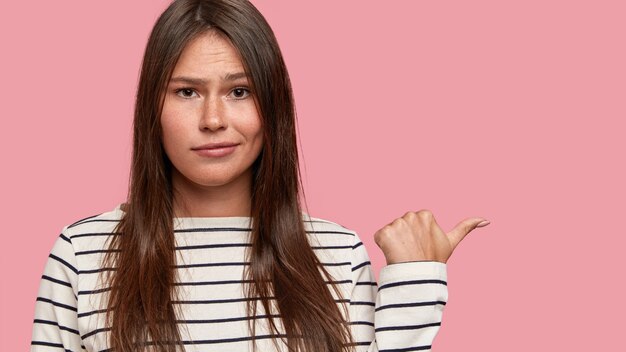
402,313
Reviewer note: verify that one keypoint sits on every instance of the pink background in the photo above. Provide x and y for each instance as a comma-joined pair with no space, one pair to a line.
513,111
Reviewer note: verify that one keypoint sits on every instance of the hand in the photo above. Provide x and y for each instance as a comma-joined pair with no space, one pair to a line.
417,236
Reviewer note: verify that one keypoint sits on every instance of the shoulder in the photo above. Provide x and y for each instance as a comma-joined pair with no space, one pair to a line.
79,240
327,231
97,225
312,224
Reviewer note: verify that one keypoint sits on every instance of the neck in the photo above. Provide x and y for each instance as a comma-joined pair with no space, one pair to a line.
193,200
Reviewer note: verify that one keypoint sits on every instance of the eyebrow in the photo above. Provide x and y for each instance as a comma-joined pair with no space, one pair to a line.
192,80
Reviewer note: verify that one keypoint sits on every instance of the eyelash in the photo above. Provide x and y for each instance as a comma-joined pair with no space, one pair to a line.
178,91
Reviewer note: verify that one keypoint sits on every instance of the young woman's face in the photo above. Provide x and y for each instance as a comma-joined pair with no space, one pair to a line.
212,131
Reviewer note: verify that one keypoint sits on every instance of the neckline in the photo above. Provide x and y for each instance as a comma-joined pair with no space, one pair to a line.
206,221
210,221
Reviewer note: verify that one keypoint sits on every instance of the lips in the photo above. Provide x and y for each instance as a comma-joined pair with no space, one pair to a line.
215,150
215,145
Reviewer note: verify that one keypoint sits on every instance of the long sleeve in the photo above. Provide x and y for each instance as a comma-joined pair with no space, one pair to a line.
404,312
56,321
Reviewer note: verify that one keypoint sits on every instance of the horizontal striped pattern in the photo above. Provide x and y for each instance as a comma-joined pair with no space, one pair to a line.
402,313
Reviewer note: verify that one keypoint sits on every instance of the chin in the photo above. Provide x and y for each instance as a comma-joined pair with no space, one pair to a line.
216,179
212,181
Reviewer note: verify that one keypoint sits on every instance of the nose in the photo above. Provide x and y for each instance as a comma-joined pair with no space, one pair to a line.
213,117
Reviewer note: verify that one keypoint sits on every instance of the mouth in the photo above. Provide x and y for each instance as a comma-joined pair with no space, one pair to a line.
219,145
215,150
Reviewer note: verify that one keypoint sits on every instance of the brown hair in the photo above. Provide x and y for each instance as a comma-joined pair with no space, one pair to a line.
283,265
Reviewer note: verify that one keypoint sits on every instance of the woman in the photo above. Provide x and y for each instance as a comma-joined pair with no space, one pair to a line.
211,251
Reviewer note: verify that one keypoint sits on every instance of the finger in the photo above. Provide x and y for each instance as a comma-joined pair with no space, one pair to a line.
464,227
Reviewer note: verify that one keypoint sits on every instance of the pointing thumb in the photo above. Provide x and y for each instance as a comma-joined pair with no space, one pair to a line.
464,227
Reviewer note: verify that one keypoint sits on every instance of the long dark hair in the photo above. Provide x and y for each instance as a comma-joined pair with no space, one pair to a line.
283,265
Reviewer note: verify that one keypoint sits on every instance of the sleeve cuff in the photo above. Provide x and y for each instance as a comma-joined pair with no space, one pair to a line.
413,270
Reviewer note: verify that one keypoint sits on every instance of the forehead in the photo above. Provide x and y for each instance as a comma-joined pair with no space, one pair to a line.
210,53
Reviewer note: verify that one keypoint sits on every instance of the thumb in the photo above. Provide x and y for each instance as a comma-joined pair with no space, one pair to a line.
464,227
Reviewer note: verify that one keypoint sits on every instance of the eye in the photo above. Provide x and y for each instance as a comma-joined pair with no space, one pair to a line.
185,92
240,93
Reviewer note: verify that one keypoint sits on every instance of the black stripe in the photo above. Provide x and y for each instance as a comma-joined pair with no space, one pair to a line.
406,327
231,340
45,343
335,232
61,327
97,251
219,245
361,265
200,265
91,333
95,234
202,229
218,341
64,263
220,301
357,245
86,314
411,282
245,299
360,343
65,238
56,281
226,320
95,271
320,222
408,349
99,220
407,305
246,229
367,283
368,323
207,283
362,303
203,246
80,293
83,219
206,321
61,305
336,264
330,247
213,229
229,282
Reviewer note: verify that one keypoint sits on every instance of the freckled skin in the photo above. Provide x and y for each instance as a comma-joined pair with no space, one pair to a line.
210,111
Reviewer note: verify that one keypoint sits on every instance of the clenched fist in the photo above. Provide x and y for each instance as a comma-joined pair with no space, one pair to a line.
417,236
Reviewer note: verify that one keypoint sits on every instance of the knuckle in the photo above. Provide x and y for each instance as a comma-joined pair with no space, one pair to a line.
409,216
425,214
377,237
382,231
381,234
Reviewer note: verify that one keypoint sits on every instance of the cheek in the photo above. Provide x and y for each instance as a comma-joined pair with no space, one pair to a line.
252,125
174,142
254,132
172,129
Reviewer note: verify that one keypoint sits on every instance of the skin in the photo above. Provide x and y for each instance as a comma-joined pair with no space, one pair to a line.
209,111
216,110
416,236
